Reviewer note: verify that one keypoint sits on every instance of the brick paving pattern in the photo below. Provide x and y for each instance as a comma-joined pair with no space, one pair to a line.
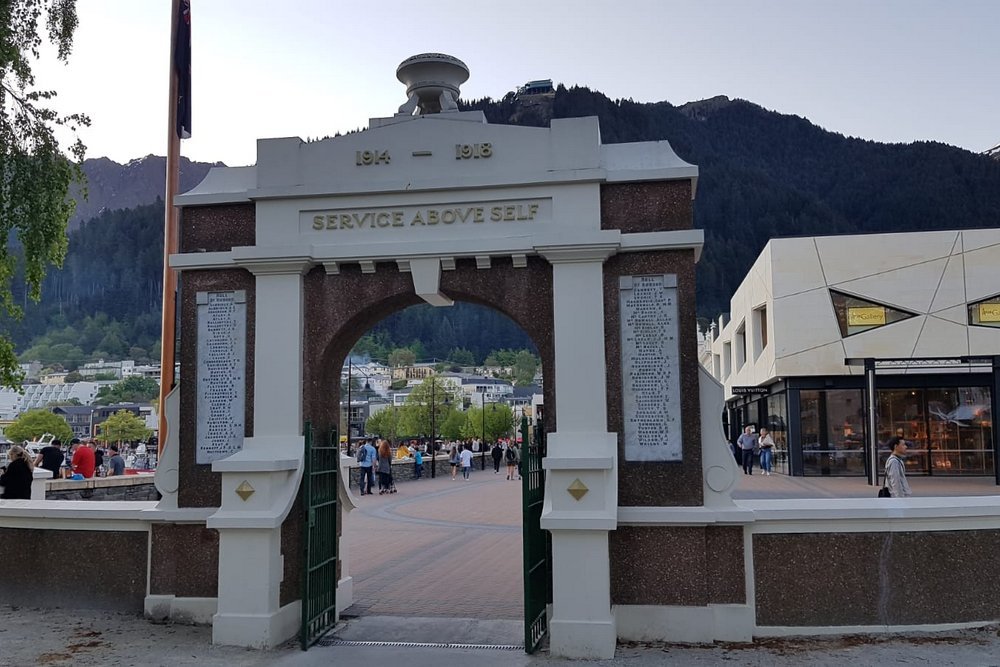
439,548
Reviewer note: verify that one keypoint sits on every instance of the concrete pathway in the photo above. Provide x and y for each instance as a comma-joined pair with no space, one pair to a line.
439,548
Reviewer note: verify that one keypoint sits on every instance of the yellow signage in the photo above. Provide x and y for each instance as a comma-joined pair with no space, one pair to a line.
867,316
989,312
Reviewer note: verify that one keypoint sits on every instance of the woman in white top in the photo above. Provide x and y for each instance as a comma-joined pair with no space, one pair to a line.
766,444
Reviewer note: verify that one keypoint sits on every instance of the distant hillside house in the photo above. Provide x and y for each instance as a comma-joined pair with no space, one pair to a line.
415,372
539,87
78,417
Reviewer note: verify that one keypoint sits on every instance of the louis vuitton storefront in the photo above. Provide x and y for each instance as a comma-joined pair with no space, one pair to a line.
792,352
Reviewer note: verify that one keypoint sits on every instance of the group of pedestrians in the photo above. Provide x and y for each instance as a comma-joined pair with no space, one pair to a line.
749,445
83,460
372,460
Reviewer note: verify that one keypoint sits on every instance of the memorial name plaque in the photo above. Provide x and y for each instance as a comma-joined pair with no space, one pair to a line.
222,336
651,371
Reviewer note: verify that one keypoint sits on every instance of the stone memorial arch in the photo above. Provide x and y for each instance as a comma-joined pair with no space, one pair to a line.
588,247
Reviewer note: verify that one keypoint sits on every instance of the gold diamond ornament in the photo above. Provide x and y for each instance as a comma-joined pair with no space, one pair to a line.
577,489
244,490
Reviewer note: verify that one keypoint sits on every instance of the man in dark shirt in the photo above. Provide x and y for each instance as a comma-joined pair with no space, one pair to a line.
50,458
116,464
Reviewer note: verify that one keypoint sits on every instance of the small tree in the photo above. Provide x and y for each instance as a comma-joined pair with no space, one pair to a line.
36,423
525,366
417,415
498,420
123,426
402,356
384,423
134,389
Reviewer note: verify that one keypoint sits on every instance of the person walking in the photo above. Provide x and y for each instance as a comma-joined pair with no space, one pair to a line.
385,468
454,458
497,454
766,443
366,456
466,458
895,469
747,442
16,477
510,457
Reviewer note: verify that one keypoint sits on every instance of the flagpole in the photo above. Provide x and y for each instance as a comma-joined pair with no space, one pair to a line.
170,240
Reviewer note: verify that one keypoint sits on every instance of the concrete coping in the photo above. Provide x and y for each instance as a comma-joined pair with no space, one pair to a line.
823,509
97,482
130,510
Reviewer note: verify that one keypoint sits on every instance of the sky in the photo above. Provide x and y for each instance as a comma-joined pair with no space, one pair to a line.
889,70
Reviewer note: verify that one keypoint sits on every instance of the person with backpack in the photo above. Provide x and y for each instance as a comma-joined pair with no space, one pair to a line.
366,457
510,456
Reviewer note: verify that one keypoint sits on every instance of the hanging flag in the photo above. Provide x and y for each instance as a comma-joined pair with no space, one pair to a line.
182,67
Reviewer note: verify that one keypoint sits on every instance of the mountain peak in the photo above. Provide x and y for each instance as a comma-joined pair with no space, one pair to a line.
702,109
111,185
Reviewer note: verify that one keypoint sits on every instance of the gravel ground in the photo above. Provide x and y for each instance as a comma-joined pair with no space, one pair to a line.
62,637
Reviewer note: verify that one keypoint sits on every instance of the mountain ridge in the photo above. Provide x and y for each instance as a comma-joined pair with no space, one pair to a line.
762,174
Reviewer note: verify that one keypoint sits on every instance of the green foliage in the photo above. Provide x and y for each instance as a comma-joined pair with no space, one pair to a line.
402,356
461,356
498,421
430,397
123,426
134,389
525,366
34,174
385,423
454,425
36,423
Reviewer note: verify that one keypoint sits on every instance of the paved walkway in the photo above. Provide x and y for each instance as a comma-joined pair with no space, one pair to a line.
439,548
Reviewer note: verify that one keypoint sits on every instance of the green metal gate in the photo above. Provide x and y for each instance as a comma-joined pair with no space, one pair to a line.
537,542
319,496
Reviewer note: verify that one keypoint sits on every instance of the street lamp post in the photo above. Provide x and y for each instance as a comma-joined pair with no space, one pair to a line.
433,448
482,445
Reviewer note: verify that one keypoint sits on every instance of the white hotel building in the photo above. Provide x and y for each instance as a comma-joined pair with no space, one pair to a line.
922,308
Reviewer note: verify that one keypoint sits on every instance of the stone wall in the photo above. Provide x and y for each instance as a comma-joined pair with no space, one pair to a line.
125,487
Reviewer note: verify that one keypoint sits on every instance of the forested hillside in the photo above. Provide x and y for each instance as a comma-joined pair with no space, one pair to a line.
762,174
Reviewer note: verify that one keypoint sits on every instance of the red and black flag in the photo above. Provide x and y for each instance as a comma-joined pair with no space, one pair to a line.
182,67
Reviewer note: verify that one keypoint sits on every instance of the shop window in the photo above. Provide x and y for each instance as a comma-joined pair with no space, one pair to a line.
856,315
833,436
759,331
948,429
740,346
777,423
985,313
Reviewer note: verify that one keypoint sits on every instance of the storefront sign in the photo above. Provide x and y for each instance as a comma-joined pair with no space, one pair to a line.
989,312
867,316
750,391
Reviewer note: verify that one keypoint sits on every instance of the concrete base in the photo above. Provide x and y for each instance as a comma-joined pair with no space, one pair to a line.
590,640
689,625
196,611
345,594
257,630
